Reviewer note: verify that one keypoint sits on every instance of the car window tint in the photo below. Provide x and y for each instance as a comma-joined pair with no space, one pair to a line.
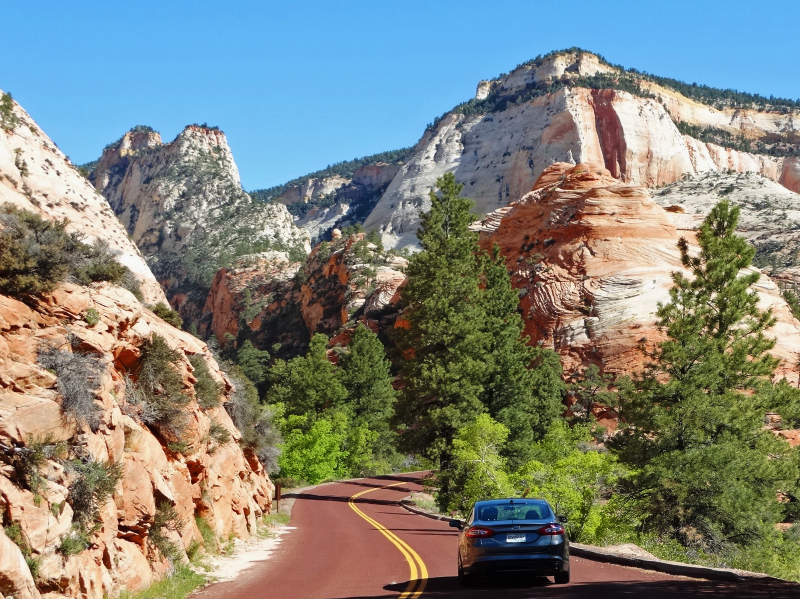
531,510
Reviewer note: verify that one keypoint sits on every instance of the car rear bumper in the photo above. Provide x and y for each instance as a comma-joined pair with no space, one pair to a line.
541,564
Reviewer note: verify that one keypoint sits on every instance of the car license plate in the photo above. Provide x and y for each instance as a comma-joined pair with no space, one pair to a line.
513,538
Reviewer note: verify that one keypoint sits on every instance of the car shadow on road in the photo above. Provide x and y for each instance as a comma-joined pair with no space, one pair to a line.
526,586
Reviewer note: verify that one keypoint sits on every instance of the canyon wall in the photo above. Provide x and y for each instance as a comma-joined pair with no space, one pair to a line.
54,542
36,176
183,205
498,156
592,257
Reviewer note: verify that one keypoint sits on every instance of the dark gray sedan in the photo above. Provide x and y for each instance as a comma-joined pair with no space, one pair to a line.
512,534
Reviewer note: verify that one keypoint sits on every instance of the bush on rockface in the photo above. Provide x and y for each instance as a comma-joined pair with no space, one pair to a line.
157,395
253,420
165,313
78,376
36,254
206,389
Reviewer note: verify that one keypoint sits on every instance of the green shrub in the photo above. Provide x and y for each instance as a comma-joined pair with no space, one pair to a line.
29,460
15,534
166,518
158,391
78,376
8,120
254,421
167,314
37,254
219,433
182,582
206,389
76,542
92,317
210,541
92,487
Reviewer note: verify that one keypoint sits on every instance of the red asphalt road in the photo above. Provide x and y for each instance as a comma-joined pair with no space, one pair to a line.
336,553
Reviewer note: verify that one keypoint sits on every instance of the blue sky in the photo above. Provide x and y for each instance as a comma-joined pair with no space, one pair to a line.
298,85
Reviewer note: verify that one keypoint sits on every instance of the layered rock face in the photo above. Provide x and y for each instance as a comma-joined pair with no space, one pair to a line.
498,155
221,483
769,214
36,176
183,205
268,299
321,205
592,258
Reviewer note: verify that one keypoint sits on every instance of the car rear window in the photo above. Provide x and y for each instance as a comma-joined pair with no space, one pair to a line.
520,511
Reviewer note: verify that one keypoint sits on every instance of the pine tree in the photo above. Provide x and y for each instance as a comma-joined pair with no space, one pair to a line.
523,387
364,373
443,346
709,472
462,343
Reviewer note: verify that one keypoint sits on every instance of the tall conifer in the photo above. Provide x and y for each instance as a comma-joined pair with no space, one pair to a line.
462,343
709,471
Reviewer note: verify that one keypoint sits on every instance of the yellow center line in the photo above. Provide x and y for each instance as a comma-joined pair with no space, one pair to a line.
419,572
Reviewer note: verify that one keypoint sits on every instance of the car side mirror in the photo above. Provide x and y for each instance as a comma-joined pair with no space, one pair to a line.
561,518
456,523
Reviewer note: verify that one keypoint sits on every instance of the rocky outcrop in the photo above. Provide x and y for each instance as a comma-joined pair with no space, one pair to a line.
271,300
184,206
498,150
321,205
592,258
769,214
37,176
222,483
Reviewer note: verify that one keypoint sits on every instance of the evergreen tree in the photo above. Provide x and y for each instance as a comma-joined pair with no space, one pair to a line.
364,373
443,346
523,386
253,362
461,339
307,385
708,470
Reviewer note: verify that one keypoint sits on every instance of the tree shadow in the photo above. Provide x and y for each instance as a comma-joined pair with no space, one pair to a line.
519,585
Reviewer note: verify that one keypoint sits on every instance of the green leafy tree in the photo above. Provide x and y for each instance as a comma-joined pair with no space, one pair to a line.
477,470
573,475
312,451
307,385
708,470
364,373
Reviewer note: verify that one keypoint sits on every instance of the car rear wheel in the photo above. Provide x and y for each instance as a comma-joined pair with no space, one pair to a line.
562,577
463,579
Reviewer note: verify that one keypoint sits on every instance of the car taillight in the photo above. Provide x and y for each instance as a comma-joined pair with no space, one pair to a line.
479,532
551,529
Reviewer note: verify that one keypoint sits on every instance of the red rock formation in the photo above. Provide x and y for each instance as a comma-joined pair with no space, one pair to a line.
225,485
342,283
592,258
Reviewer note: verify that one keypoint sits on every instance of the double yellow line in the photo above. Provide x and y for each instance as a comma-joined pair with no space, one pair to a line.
419,572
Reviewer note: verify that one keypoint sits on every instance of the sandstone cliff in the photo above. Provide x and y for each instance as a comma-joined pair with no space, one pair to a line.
106,326
37,176
592,257
769,214
271,300
322,204
572,107
184,207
